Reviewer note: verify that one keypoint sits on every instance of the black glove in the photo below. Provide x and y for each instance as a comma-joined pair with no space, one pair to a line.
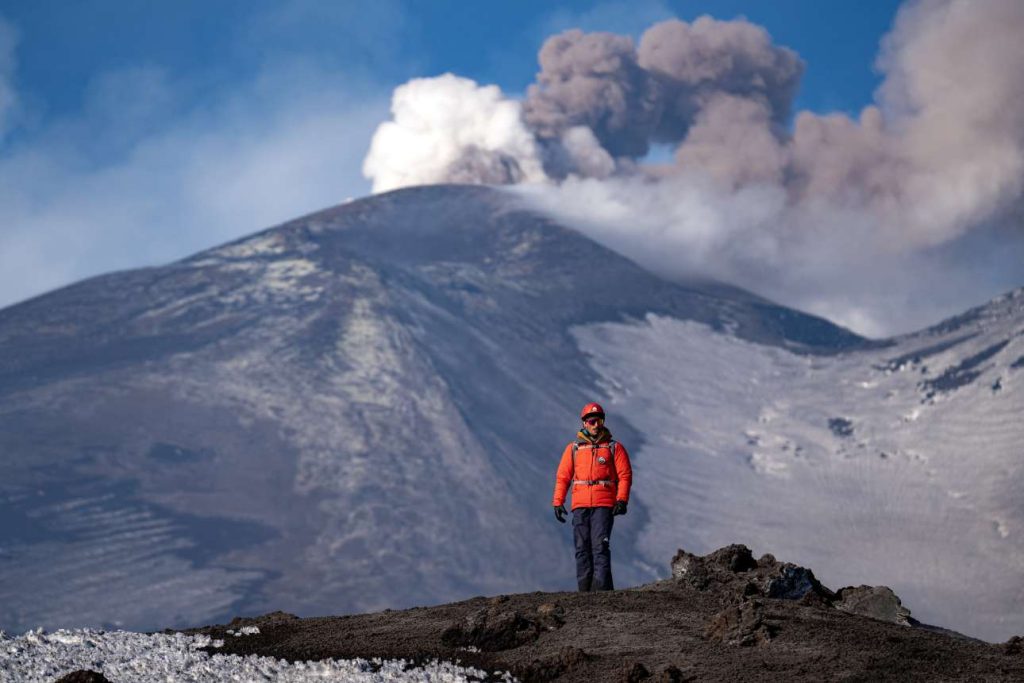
560,513
619,508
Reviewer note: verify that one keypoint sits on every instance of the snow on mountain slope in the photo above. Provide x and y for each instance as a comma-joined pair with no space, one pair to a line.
901,465
362,408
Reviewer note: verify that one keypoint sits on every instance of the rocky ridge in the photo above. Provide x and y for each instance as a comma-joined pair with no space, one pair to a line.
721,616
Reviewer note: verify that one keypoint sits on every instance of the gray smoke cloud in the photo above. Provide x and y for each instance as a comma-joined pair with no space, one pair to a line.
859,218
697,63
594,80
633,96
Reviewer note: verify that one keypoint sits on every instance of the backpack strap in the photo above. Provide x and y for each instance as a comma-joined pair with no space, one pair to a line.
611,447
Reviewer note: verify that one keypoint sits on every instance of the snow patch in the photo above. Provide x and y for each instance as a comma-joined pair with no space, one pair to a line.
244,631
832,461
762,463
270,244
127,657
285,274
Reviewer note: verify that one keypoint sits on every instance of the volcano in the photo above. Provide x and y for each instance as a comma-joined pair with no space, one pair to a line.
363,409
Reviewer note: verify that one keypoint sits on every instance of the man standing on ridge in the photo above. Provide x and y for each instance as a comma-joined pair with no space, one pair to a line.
598,469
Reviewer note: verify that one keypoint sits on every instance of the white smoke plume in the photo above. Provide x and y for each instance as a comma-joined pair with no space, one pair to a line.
884,222
449,129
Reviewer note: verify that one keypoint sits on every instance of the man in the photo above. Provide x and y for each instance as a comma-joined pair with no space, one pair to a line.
598,469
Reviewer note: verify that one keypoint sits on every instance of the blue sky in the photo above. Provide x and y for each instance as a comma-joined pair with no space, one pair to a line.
139,133
63,47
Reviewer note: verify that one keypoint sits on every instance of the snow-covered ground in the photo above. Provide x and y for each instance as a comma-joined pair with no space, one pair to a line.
124,657
900,466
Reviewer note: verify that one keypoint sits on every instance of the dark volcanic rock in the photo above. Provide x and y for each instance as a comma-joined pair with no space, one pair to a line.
492,629
735,574
961,374
744,624
262,620
735,558
551,615
636,673
670,674
699,625
793,583
916,357
564,661
719,567
840,426
83,676
877,602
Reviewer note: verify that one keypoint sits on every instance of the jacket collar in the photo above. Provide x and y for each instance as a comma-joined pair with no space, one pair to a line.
602,436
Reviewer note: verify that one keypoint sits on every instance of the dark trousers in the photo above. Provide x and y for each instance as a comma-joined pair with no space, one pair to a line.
592,530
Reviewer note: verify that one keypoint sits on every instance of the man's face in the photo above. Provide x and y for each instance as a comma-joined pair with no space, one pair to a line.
592,423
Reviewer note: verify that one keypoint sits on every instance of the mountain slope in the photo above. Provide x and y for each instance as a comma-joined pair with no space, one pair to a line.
899,465
359,409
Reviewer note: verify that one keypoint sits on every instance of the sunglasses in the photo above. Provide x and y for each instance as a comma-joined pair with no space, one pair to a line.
591,421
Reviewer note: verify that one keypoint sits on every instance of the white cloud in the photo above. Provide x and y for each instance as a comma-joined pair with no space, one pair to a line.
147,174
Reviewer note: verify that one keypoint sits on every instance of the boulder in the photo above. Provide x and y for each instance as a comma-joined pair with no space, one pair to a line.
492,629
876,602
733,572
794,582
744,624
733,558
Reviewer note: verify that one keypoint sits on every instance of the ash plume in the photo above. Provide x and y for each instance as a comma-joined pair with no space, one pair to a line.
594,80
858,218
633,96
696,63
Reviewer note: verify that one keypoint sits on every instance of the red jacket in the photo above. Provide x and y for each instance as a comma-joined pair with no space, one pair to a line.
600,477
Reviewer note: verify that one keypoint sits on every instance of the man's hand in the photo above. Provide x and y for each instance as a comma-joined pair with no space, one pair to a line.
619,508
560,513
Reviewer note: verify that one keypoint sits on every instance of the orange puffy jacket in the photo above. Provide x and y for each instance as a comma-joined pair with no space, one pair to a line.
599,477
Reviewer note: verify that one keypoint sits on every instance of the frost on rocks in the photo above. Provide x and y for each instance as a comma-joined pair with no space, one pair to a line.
244,631
127,657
